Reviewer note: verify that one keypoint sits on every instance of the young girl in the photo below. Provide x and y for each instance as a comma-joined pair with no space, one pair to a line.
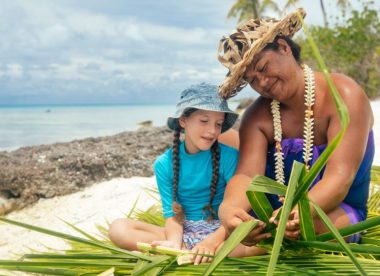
191,177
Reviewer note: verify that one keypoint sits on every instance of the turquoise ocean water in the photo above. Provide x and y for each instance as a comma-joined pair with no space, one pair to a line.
46,124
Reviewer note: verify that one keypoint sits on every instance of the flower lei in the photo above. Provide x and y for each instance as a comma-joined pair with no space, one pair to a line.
308,134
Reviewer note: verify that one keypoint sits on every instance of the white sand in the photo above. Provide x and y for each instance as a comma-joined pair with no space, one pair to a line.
97,204
94,205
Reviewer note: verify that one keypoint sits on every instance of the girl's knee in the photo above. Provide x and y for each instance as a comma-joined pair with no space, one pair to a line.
118,230
125,233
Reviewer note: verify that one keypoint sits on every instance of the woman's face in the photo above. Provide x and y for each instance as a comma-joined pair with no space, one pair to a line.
271,73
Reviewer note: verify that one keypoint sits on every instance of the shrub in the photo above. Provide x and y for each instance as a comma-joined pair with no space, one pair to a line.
352,48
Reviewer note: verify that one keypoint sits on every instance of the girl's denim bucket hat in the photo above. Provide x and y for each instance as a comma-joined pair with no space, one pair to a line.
202,96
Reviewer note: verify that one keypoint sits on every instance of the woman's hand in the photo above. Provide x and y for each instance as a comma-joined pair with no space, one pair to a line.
233,216
256,235
292,230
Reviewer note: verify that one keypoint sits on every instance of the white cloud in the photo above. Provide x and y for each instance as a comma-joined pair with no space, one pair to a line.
52,35
14,70
53,22
69,47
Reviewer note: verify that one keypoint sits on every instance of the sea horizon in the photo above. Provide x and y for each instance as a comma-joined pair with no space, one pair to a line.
23,125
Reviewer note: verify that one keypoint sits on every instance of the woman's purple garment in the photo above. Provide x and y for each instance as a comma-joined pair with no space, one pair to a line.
354,218
358,193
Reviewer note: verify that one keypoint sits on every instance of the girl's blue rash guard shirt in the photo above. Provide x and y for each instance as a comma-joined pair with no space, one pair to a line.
195,175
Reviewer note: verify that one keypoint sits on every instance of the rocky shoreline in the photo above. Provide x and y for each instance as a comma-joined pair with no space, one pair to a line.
46,171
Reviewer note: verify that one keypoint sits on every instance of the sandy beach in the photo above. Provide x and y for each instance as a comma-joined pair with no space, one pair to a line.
96,204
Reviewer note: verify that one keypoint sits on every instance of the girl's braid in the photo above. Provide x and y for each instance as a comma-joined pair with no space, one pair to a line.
215,151
177,208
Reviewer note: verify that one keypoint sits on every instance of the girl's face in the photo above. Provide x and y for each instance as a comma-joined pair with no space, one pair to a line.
202,128
271,73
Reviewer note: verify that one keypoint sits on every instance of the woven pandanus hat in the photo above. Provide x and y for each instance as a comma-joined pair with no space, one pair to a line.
237,50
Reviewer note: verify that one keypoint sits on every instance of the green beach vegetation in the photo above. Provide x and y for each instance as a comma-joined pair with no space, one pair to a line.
351,47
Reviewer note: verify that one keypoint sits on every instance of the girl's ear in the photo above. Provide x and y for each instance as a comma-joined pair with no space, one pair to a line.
182,122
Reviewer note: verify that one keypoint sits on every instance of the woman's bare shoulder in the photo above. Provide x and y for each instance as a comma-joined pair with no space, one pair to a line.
257,111
350,91
348,87
352,94
257,117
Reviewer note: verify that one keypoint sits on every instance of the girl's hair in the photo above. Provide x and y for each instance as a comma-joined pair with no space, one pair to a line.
177,208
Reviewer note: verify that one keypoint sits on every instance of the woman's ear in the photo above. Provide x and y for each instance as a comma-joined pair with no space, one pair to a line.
284,47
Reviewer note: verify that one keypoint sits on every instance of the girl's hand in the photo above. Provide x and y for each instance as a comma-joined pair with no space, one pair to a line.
292,231
207,246
166,243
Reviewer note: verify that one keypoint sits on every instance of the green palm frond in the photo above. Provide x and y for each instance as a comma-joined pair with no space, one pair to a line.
84,258
309,264
248,9
235,238
374,198
153,215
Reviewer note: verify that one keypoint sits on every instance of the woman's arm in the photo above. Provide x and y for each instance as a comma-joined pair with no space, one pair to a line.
252,154
344,163
252,158
230,138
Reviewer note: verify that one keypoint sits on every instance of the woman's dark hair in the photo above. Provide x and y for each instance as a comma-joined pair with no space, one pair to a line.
215,152
296,49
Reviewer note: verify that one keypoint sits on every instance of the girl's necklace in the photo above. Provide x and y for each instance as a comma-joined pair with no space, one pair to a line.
308,134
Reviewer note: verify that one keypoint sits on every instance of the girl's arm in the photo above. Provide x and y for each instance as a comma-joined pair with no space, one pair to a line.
217,237
174,232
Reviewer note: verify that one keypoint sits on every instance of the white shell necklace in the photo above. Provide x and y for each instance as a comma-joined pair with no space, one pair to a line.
308,129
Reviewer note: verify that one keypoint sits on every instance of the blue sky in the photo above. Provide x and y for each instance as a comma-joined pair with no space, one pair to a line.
115,51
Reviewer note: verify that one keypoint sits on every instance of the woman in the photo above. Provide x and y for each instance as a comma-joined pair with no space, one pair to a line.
293,98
